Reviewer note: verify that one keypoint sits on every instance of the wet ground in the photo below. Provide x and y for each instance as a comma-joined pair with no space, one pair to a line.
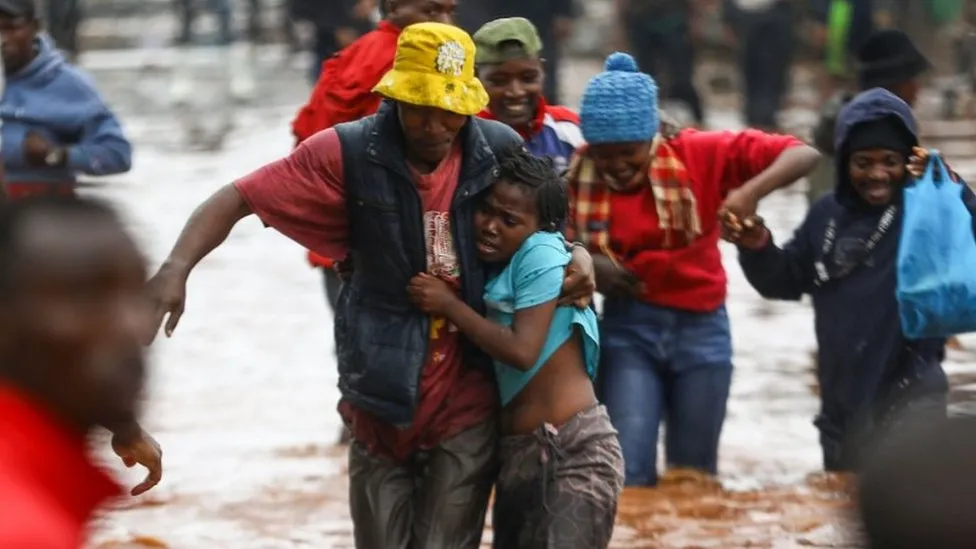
243,396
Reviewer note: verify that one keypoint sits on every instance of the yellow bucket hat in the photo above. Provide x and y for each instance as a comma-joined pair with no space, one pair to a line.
434,67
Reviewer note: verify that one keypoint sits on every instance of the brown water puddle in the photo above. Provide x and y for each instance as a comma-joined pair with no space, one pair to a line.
686,510
691,511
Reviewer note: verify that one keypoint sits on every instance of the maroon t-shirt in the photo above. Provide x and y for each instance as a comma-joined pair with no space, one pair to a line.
303,197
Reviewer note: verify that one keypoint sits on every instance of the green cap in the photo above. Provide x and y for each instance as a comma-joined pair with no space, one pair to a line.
493,34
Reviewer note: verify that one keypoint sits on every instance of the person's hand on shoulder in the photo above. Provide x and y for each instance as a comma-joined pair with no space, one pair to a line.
580,281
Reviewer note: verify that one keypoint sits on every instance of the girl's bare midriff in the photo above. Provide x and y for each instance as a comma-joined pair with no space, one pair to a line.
560,390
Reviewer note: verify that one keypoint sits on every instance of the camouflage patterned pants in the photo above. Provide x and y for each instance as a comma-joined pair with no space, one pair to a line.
558,487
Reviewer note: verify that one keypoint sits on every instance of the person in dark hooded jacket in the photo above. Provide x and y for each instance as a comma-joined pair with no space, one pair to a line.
844,256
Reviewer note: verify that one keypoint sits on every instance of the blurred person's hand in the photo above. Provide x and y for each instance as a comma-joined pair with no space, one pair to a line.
36,149
741,202
579,284
136,446
918,162
750,233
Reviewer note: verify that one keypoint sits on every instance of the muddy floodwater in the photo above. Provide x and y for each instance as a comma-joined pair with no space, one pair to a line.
243,396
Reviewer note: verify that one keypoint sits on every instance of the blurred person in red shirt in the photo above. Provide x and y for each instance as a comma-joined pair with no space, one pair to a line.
344,92
72,304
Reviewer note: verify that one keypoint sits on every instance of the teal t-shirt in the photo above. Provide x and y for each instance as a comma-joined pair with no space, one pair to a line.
534,276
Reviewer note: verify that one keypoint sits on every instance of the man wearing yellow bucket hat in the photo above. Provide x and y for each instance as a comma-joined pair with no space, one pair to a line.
395,193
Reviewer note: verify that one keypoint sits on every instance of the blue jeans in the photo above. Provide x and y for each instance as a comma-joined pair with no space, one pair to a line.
671,365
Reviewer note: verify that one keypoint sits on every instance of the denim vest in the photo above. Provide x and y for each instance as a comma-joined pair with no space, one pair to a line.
381,338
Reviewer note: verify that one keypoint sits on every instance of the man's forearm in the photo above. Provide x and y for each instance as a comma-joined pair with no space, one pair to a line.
207,228
789,166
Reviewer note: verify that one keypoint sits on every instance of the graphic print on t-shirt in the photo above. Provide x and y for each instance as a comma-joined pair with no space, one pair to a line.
442,262
441,255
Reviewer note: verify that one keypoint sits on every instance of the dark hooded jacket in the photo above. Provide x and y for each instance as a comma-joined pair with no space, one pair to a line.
865,364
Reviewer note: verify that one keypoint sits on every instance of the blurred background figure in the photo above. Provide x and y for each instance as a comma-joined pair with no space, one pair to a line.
917,490
838,29
63,18
766,39
336,24
55,123
660,37
72,316
235,56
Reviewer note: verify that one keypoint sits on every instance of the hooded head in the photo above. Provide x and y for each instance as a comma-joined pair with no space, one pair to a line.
874,138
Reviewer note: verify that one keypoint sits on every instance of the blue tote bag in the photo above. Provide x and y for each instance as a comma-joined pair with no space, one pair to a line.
936,258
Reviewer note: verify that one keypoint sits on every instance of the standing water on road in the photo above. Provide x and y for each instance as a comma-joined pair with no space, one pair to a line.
243,396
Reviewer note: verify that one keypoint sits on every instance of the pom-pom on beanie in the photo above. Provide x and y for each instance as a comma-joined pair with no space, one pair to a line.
619,105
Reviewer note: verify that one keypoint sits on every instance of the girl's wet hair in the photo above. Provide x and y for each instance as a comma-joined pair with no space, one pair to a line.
537,176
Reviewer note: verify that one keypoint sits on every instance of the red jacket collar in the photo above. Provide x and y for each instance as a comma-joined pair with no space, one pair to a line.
50,456
535,126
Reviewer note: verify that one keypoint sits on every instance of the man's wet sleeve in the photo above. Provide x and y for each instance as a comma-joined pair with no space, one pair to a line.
303,195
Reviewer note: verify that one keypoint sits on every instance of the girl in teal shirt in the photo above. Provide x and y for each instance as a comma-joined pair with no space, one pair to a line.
561,465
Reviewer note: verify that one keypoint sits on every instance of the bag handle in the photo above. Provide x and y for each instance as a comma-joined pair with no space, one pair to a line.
936,170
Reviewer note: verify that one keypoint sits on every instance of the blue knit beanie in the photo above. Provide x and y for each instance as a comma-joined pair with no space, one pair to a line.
619,105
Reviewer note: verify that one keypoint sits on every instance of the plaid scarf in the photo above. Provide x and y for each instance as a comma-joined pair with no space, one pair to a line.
677,208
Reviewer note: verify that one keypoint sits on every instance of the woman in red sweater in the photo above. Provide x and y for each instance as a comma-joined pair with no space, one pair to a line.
647,206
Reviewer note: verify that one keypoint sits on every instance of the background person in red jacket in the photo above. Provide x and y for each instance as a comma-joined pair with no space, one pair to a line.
72,311
344,92
647,205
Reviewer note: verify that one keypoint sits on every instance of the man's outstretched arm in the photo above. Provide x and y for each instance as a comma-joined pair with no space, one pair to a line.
302,196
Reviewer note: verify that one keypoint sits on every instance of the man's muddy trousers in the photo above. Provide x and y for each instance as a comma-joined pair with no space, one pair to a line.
434,500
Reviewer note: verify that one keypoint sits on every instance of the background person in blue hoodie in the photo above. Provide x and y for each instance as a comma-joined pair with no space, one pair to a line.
55,124
844,256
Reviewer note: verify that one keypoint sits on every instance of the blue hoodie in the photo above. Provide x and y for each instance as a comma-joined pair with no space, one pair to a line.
60,102
864,361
